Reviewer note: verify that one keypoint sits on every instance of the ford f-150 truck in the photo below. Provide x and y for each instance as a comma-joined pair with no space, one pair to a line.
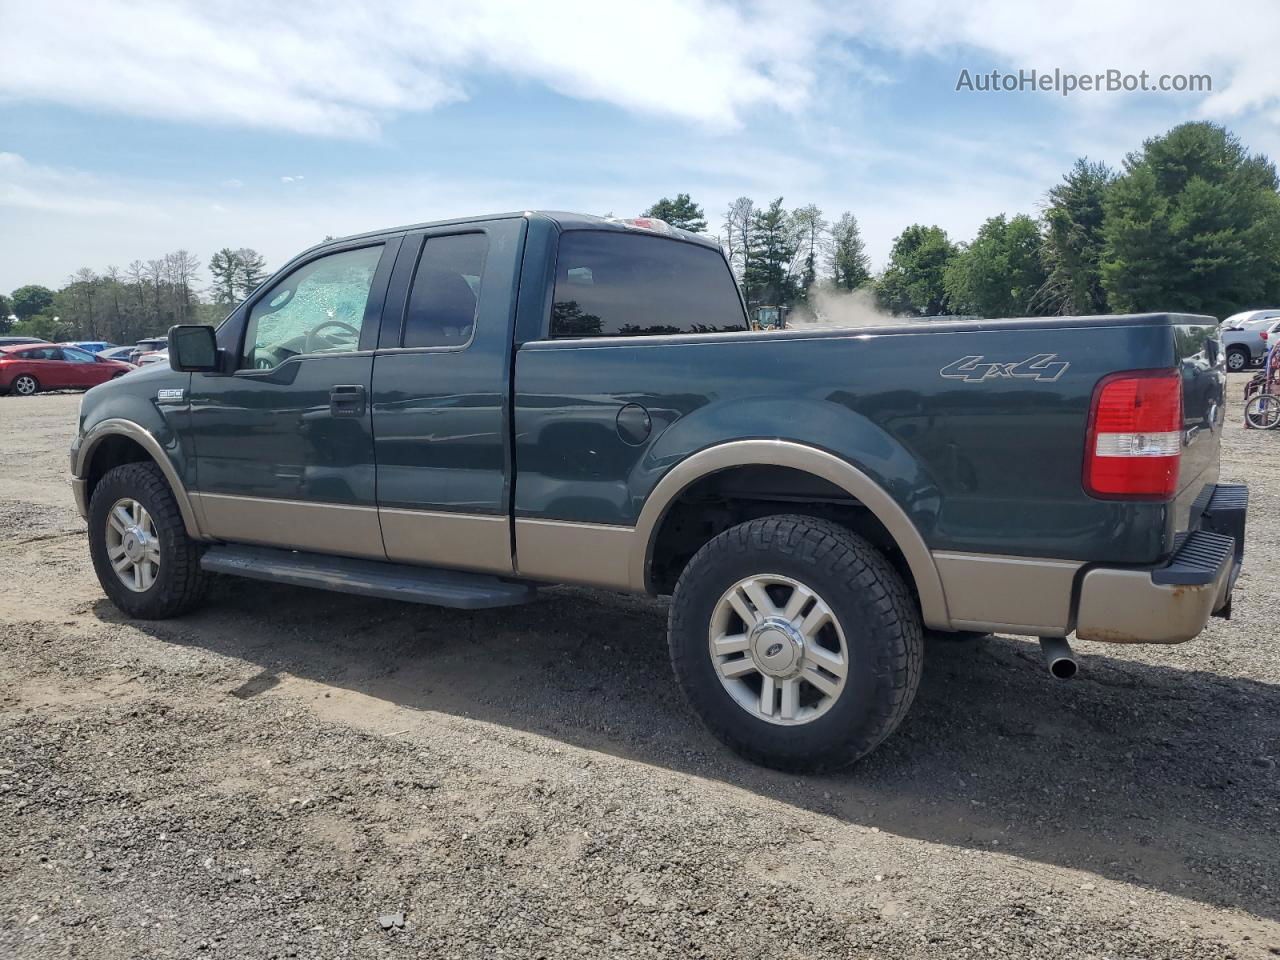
457,412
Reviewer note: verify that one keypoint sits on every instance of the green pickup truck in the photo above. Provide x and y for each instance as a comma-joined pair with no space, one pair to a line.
456,413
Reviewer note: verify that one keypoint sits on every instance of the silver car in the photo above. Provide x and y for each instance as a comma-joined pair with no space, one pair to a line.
1242,337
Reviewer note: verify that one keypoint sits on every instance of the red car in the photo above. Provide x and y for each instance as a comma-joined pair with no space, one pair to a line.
30,367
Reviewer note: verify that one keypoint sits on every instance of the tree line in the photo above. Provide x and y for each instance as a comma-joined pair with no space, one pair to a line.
142,300
1191,222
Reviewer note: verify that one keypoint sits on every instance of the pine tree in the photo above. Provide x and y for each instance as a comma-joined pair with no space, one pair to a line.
1074,241
848,261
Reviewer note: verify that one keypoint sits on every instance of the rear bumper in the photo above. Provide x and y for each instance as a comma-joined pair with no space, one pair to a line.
1173,602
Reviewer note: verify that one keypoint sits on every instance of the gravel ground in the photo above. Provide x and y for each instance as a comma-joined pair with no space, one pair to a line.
296,774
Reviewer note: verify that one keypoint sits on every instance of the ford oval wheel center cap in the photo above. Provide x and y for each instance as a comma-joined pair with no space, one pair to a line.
777,647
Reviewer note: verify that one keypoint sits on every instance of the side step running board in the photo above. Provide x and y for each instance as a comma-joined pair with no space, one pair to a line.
370,578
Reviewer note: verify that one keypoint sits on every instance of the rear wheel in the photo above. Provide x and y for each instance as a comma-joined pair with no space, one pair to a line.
144,559
1237,359
24,385
1263,412
796,642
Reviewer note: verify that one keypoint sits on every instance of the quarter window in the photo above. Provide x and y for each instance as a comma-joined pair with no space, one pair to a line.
446,291
318,308
620,284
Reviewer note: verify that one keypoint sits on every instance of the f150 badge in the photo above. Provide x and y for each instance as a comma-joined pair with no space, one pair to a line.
1043,366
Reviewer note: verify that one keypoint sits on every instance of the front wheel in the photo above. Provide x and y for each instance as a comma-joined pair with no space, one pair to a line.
1237,359
146,563
25,385
796,642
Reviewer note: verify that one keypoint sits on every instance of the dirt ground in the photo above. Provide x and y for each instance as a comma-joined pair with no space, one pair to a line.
290,773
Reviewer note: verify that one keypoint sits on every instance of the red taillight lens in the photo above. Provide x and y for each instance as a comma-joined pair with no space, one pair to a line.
1134,442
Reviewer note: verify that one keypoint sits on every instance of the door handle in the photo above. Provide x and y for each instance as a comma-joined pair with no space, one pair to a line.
347,400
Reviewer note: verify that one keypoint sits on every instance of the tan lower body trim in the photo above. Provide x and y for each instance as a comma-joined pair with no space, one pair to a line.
324,527
462,541
588,553
1007,594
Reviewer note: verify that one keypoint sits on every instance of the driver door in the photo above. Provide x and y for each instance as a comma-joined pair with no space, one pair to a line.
284,445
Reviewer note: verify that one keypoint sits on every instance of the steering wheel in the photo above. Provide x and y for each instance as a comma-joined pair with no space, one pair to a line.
310,345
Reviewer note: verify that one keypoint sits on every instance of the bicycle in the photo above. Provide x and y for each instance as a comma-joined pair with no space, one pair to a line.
1262,394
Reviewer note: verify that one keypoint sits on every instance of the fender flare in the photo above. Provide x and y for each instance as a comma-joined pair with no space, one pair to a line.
145,439
820,463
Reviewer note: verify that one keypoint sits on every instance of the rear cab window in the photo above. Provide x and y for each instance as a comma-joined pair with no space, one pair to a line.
614,284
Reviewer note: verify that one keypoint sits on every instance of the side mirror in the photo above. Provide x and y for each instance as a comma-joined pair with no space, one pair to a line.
193,348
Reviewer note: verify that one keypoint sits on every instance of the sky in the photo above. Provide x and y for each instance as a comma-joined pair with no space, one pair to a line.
130,129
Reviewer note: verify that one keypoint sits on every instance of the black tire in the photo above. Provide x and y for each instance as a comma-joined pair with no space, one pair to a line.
180,583
874,608
1237,359
20,387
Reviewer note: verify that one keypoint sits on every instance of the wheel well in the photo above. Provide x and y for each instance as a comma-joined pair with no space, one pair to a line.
713,504
111,452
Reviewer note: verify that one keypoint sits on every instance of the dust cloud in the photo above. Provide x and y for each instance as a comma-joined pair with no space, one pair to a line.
834,309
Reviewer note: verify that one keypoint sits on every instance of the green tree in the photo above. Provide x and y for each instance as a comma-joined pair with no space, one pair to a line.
224,267
681,212
1074,241
850,266
1000,272
767,273
30,300
912,283
6,308
253,270
44,326
1193,224
810,232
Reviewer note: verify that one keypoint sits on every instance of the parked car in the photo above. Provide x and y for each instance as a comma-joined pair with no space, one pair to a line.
1241,337
149,345
14,341
117,353
92,346
155,356
30,368
454,413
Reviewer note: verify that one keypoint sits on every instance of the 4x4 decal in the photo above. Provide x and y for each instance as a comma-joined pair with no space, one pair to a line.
1043,366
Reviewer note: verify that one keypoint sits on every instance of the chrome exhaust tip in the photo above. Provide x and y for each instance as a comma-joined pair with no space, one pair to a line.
1059,658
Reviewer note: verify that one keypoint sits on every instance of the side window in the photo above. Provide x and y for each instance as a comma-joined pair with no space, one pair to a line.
76,355
318,308
44,353
620,284
446,291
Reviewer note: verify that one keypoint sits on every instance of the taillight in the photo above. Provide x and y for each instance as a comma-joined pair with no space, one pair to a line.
1134,442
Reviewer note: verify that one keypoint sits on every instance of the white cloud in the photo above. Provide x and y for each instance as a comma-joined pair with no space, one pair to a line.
1235,45
340,68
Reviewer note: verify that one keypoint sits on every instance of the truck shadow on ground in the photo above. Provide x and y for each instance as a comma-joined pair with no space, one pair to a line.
1138,773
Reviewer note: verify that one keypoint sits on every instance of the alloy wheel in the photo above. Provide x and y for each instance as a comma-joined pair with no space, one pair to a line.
133,548
778,649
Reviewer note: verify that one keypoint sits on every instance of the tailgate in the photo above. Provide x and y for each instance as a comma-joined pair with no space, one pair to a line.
1198,354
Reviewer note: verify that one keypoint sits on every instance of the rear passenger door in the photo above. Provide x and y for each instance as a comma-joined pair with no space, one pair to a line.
48,367
441,379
